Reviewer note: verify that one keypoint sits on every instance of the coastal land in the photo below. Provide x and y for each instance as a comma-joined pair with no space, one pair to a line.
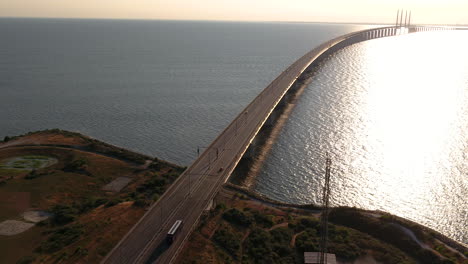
245,227
68,198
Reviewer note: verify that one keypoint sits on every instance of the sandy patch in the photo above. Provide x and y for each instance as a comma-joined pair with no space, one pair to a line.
117,184
13,227
36,216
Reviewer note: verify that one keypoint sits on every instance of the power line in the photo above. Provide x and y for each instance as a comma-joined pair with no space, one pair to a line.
324,215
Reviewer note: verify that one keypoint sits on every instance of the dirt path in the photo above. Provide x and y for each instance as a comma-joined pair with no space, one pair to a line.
277,226
452,249
293,239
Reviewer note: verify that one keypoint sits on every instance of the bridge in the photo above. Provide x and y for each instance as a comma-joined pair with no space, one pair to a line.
192,192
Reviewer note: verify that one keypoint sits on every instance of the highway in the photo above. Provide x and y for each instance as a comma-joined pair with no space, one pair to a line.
191,193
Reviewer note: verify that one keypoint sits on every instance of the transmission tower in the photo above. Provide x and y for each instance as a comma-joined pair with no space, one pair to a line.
324,215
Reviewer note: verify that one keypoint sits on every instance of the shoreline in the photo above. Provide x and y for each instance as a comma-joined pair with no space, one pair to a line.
312,208
247,170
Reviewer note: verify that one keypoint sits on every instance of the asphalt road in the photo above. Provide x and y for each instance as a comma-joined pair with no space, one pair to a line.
193,190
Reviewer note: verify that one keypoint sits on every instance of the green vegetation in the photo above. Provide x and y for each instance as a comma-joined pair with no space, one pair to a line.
36,157
155,165
384,231
26,260
153,188
27,162
238,217
36,174
60,238
63,214
228,240
72,192
262,246
258,246
77,165
247,235
263,220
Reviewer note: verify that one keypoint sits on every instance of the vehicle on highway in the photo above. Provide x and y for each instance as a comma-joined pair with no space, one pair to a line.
173,231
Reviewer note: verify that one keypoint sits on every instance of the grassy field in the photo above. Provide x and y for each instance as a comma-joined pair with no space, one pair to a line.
87,221
27,162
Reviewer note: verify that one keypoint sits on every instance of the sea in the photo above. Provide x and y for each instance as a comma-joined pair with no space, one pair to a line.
392,113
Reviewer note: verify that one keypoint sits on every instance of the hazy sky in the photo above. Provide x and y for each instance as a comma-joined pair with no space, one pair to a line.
376,11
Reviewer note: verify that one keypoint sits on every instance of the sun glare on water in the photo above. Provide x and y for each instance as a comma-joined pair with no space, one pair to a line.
416,120
393,114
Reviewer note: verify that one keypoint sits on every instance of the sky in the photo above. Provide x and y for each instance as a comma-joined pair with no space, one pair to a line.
371,11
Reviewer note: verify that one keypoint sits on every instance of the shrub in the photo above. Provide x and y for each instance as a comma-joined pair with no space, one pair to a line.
281,238
282,235
81,251
263,220
63,214
155,165
140,202
308,241
258,246
26,260
156,184
61,238
220,207
91,203
282,250
113,202
237,217
228,240
32,175
76,165
307,222
385,231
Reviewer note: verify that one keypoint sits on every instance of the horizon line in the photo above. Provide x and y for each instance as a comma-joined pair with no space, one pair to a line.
214,20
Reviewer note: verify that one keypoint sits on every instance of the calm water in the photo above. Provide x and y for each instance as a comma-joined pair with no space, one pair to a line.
158,87
165,88
393,114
